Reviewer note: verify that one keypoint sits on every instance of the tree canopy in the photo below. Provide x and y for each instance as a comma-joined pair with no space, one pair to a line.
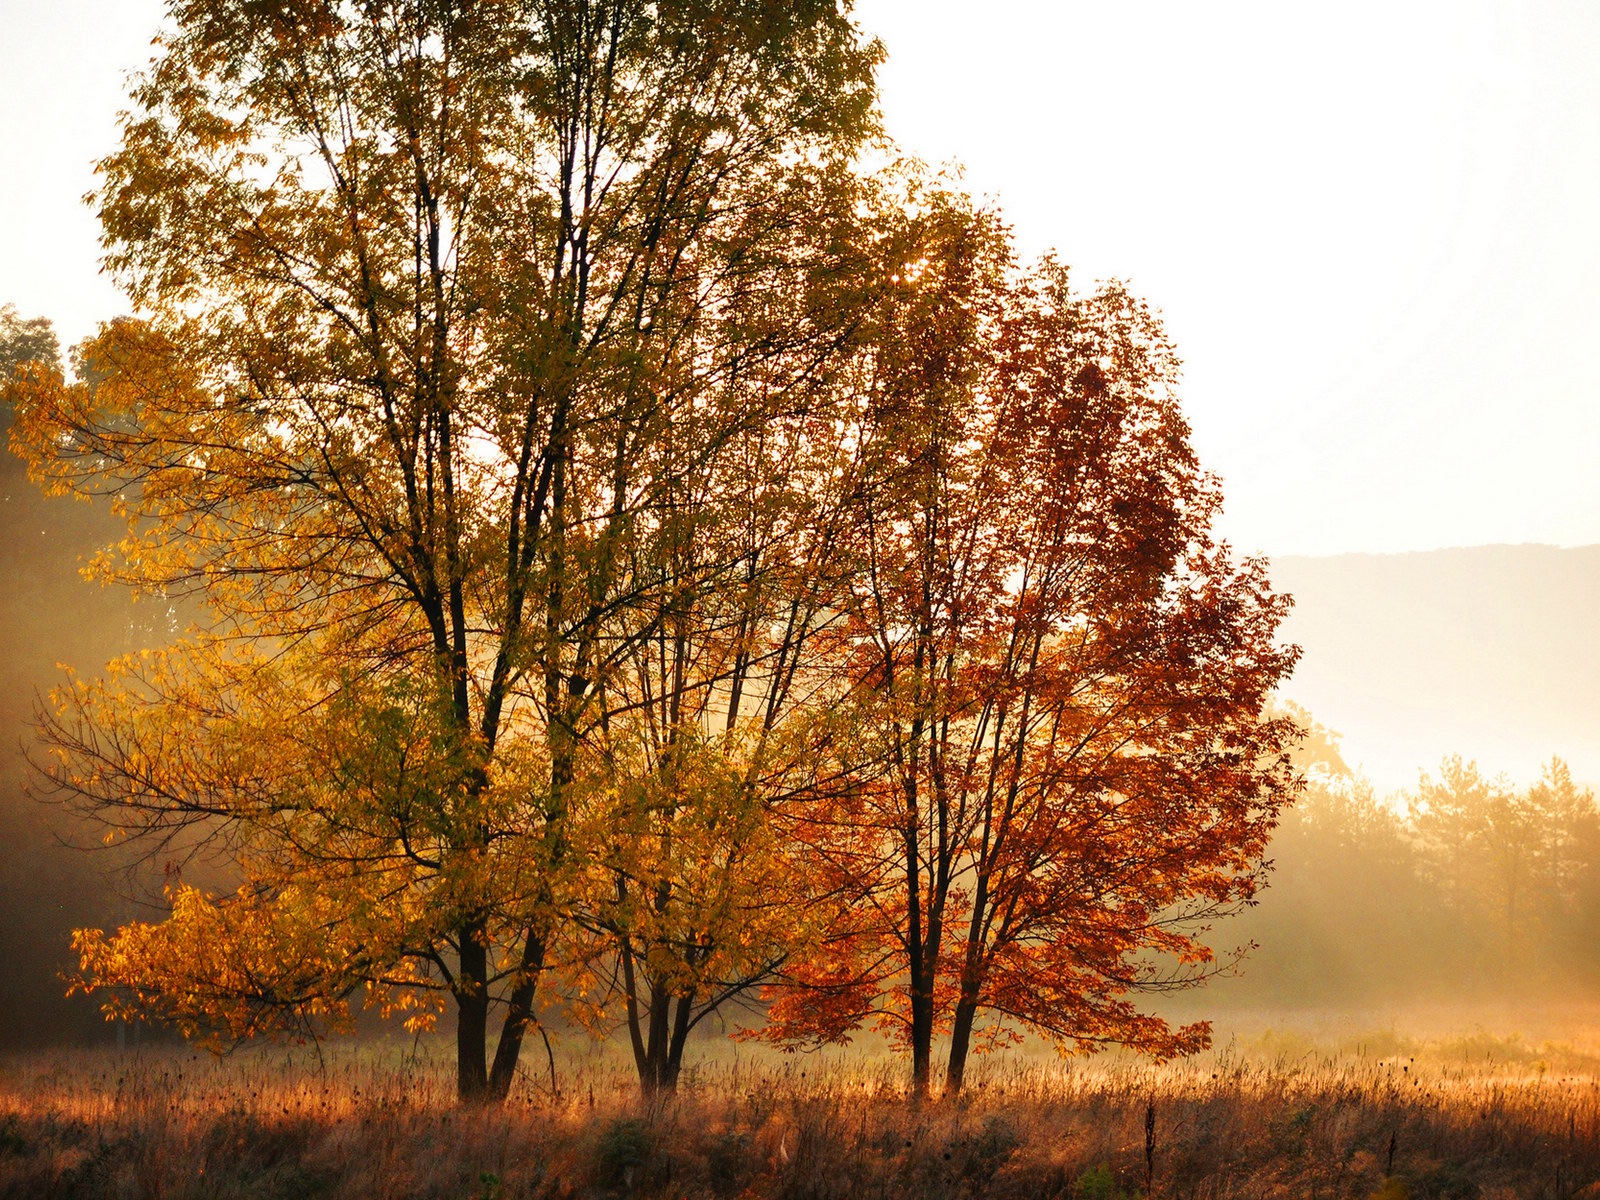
26,340
1064,676
637,555
445,308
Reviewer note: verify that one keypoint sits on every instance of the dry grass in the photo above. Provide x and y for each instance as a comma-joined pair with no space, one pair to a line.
1474,1122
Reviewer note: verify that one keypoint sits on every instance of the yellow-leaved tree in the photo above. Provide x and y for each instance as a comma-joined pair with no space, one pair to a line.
445,307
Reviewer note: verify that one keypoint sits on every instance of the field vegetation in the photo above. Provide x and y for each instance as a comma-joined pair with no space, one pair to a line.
1379,1116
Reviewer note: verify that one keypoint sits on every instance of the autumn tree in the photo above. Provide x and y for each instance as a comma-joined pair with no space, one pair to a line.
1508,863
26,340
444,307
716,719
1065,671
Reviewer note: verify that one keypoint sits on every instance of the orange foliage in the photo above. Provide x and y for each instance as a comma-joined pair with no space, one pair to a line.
430,340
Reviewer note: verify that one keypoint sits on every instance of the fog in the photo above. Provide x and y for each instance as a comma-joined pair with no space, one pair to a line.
49,615
1465,902
53,874
1490,652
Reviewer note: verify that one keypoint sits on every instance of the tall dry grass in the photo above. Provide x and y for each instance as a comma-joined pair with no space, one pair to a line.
179,1126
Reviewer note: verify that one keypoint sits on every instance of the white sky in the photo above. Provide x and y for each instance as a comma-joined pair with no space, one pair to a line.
1371,226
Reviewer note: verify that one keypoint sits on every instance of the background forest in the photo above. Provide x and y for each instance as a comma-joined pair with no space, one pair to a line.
1463,890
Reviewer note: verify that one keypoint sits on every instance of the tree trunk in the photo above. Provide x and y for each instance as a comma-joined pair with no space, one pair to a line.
921,1028
680,1037
631,997
659,1039
519,1016
960,1043
972,977
472,1014
653,1076
918,953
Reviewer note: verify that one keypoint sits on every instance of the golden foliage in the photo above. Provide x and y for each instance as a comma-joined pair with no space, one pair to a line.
631,554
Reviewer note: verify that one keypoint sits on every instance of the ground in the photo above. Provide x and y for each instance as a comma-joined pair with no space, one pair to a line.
1480,1116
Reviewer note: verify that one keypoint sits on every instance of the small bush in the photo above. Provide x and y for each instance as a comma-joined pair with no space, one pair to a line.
11,1142
729,1162
623,1153
1099,1183
1445,1183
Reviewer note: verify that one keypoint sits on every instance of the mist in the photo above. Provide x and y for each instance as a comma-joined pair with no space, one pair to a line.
1468,901
1489,652
50,883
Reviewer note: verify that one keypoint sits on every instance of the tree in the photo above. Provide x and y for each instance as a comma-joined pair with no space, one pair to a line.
1507,862
715,721
444,305
1480,841
1568,856
1066,674
26,341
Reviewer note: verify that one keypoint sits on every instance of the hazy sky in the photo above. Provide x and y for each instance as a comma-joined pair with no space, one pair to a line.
1371,226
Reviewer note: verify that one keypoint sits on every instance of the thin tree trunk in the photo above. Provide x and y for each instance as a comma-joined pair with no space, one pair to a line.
960,1042
972,974
641,1056
472,1013
519,1017
921,1028
656,1059
918,954
680,1036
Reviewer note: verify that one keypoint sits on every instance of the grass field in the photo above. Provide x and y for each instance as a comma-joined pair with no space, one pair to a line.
1481,1117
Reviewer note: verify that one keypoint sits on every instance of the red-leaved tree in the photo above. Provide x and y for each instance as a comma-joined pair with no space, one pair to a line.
1061,670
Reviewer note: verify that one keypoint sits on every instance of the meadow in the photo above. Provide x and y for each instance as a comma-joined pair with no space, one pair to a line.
1380,1117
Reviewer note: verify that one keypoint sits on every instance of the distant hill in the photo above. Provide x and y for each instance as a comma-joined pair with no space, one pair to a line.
1492,652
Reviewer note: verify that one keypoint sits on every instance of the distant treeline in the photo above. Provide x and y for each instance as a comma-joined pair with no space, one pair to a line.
1465,887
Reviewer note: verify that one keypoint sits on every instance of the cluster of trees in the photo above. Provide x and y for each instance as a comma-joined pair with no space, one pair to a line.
1463,888
636,555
